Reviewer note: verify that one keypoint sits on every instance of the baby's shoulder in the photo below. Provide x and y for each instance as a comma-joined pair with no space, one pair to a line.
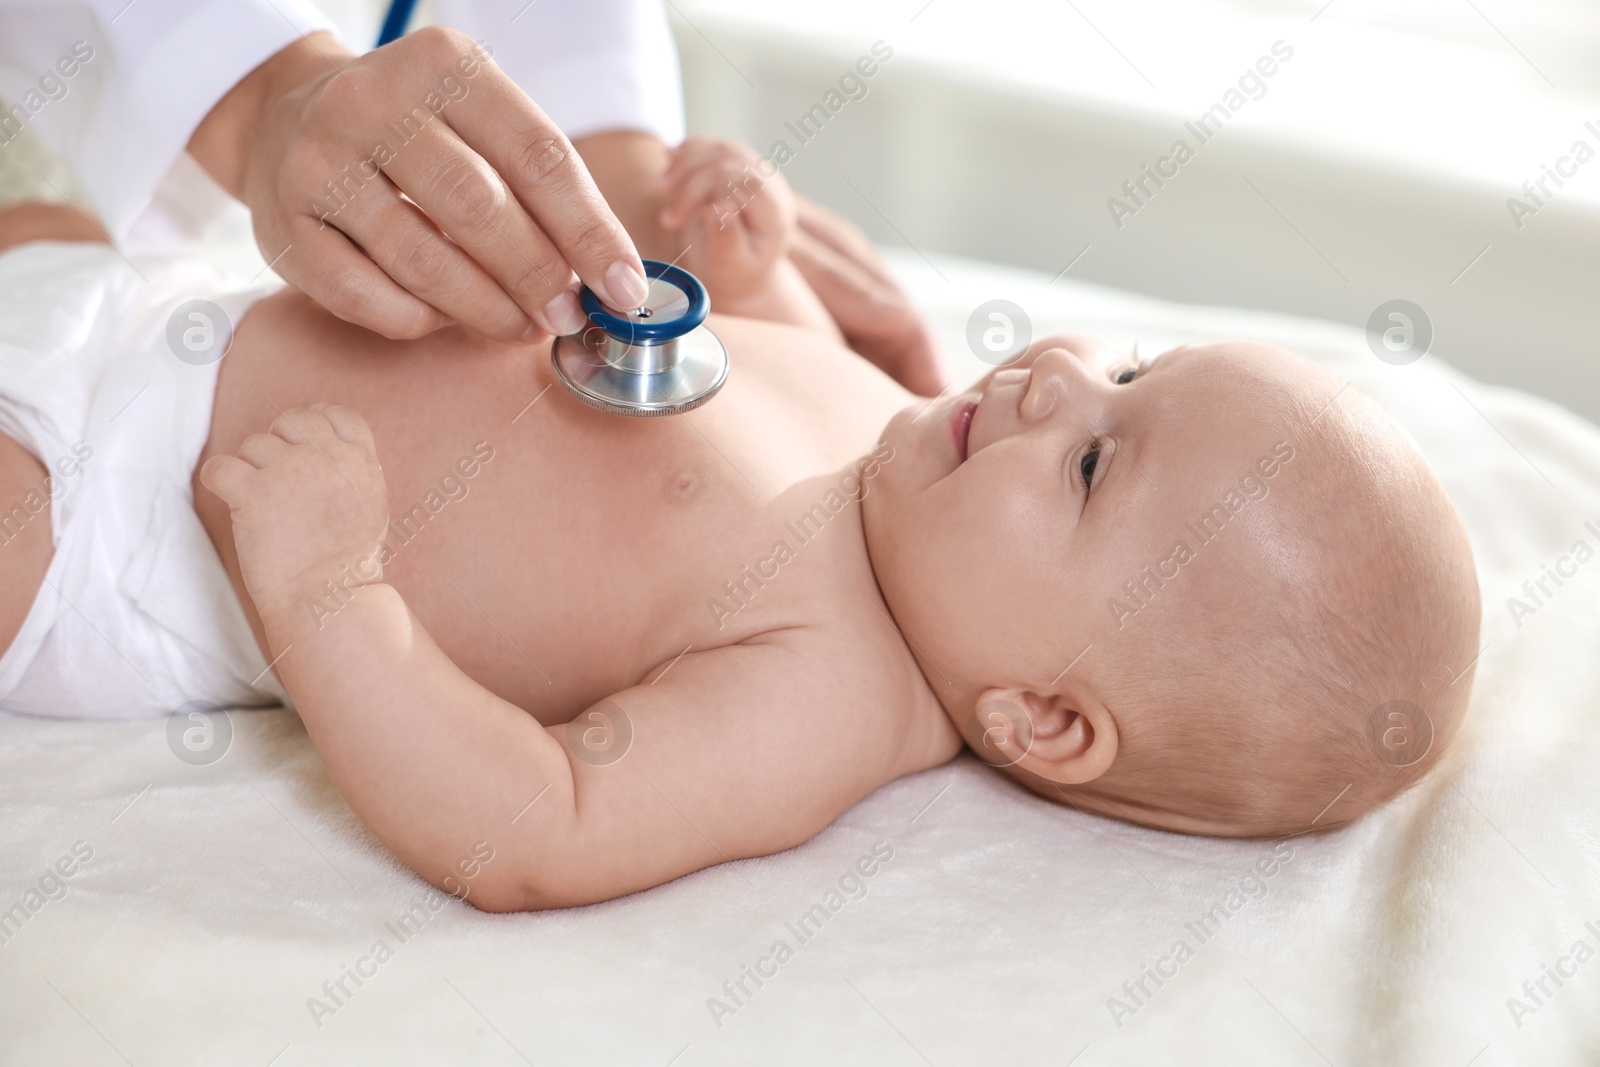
848,679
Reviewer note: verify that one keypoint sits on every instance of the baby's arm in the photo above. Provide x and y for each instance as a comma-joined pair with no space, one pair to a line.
830,262
710,206
734,752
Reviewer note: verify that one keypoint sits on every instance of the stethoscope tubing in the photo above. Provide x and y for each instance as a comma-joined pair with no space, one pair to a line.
395,20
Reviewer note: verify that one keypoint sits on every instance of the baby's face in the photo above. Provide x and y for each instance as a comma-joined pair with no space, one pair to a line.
1178,590
1016,529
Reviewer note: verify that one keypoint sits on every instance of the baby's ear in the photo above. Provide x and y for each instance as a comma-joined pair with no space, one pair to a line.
1066,739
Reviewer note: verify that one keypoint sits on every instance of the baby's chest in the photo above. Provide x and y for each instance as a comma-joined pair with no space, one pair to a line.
556,592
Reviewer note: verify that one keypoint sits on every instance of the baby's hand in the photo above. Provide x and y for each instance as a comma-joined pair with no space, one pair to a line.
737,220
309,506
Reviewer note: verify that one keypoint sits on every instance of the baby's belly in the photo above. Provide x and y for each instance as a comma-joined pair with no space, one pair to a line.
555,553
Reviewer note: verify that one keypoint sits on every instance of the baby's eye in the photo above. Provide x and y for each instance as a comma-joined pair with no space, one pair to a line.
1086,465
1126,375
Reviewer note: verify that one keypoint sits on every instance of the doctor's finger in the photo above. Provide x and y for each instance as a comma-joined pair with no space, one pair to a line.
550,182
327,267
463,197
427,263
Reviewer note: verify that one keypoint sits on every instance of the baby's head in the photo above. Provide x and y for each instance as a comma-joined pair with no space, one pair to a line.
1218,591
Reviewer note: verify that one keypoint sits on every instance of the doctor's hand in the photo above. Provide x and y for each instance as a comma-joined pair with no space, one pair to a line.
416,186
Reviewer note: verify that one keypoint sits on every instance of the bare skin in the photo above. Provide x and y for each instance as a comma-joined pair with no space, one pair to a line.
498,211
621,529
25,546
579,568
580,565
586,568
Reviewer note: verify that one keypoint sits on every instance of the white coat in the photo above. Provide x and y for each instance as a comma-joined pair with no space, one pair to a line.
115,88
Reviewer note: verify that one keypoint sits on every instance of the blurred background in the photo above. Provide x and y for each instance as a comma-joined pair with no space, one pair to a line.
1378,161
1377,164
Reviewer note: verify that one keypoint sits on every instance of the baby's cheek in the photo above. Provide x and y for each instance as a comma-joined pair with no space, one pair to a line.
971,542
1012,507
928,565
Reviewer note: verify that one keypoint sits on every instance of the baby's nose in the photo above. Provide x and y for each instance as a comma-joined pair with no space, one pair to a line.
1056,373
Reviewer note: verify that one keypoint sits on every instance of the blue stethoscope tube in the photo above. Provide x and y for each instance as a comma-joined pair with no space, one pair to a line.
395,21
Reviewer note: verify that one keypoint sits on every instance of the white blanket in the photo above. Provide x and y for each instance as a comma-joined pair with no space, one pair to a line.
217,900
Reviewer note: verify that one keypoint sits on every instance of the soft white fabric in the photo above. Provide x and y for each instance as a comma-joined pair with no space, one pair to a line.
136,616
219,899
144,75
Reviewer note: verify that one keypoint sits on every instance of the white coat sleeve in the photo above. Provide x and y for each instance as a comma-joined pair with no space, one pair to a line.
592,65
115,88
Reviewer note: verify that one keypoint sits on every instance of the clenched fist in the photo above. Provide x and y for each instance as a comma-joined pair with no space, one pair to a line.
736,215
309,506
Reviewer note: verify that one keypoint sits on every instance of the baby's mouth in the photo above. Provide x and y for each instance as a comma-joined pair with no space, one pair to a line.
961,426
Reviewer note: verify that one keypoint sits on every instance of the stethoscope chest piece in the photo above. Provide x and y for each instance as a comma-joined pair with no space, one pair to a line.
658,359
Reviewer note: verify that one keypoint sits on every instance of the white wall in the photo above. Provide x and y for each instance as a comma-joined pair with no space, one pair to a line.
1376,166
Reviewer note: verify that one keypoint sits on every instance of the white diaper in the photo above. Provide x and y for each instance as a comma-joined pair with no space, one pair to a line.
136,616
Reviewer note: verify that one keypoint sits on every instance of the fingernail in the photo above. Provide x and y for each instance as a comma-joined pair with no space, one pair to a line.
564,314
626,286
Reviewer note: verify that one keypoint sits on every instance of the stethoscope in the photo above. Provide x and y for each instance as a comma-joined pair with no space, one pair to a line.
655,359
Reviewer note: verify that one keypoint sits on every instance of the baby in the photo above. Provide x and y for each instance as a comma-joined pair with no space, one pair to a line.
1216,591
